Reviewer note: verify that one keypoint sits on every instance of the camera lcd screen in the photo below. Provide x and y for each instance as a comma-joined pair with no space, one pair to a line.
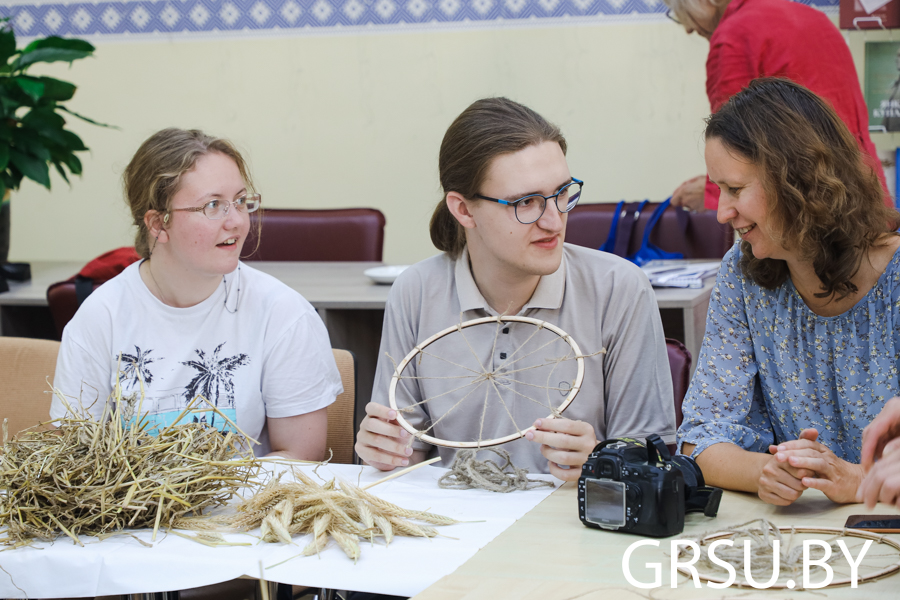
604,502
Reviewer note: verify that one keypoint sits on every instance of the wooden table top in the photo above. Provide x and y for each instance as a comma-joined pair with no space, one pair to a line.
550,555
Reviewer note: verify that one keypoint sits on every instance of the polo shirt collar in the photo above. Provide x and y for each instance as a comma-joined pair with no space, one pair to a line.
548,294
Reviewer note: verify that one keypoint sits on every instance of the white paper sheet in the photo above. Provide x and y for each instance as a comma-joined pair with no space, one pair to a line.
871,6
121,565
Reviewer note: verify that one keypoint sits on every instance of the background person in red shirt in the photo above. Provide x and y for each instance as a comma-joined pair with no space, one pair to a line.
772,38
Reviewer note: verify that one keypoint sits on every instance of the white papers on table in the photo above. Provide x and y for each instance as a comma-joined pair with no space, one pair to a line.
679,274
121,565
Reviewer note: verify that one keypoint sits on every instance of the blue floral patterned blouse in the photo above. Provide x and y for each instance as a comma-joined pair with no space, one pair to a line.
770,367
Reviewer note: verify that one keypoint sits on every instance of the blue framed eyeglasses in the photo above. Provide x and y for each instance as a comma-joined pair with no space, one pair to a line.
531,208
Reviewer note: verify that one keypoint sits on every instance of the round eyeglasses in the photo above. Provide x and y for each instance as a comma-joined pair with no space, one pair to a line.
531,208
217,209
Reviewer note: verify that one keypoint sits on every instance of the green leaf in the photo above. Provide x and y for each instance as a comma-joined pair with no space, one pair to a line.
73,163
4,157
7,44
11,178
28,141
54,138
9,104
31,167
73,142
68,159
58,42
3,190
13,95
57,90
83,118
47,55
43,119
61,171
33,87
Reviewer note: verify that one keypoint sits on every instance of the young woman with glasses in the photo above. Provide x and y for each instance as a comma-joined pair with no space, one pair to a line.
501,226
190,320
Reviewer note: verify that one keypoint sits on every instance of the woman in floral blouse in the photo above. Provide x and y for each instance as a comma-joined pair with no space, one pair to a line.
801,349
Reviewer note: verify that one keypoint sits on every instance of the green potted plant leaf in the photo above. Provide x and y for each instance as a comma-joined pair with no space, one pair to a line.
33,135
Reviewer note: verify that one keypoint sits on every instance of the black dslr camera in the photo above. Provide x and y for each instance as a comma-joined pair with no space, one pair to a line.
628,486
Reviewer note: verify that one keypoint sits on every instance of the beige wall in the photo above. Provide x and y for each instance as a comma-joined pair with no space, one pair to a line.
356,120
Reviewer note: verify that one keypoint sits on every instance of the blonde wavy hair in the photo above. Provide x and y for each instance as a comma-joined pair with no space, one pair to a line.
154,174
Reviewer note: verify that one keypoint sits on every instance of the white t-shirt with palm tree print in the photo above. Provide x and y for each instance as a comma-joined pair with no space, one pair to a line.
270,358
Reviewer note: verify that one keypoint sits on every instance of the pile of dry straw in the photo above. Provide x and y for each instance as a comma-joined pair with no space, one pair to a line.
93,477
100,477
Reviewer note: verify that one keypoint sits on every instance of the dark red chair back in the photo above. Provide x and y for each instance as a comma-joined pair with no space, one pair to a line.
704,237
342,234
63,302
63,297
680,366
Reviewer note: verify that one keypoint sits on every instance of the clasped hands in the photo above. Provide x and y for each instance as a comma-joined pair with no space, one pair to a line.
805,463
384,444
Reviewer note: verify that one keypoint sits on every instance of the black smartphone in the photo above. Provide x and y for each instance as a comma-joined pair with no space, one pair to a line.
879,523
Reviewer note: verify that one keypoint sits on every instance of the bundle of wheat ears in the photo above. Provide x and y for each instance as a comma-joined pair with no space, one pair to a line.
100,477
337,510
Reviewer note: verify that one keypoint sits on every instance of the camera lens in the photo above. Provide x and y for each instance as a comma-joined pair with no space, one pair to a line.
697,497
693,476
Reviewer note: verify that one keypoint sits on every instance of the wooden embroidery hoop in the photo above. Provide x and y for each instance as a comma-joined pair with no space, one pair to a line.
836,531
576,384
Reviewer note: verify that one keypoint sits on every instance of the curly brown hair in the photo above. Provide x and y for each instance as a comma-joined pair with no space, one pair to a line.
825,202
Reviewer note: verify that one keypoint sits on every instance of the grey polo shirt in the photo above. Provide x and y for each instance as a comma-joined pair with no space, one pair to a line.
601,300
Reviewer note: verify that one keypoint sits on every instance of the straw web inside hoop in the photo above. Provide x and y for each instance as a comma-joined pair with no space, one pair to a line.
494,375
881,558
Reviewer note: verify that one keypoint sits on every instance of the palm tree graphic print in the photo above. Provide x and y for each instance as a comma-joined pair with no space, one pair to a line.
214,378
136,367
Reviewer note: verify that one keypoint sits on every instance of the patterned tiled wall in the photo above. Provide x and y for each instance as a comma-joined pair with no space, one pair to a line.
300,17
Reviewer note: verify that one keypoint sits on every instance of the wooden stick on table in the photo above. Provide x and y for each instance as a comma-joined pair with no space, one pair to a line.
402,472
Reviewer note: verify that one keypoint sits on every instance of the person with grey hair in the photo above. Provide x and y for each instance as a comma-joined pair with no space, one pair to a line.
771,38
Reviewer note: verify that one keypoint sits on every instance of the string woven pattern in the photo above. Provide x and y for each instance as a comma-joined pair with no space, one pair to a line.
523,376
761,534
467,473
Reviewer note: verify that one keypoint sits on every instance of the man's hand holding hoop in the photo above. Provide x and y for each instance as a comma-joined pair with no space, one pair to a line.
564,443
